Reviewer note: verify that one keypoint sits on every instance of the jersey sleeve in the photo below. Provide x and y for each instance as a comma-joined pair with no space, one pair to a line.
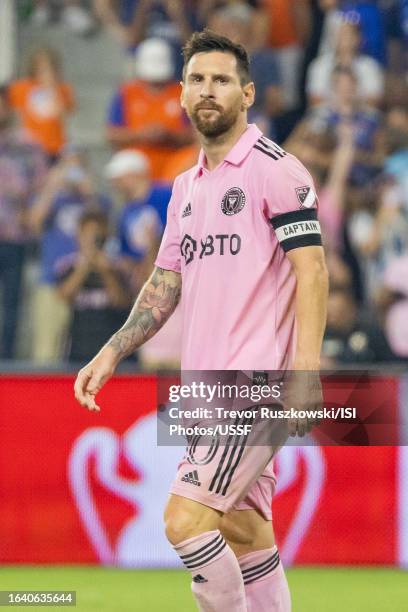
291,205
168,257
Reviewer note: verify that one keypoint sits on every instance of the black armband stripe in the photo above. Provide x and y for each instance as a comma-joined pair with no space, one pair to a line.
303,214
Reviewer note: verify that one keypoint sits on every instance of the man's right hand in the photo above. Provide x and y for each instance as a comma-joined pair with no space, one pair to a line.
93,376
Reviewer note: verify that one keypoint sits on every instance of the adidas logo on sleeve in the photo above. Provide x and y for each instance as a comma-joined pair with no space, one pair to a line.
192,478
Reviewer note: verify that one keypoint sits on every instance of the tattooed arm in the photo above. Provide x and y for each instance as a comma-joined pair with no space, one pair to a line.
156,302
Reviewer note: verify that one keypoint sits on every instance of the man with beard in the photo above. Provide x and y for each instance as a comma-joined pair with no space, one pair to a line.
242,248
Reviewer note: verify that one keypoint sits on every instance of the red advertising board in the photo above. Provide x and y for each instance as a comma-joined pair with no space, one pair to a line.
82,487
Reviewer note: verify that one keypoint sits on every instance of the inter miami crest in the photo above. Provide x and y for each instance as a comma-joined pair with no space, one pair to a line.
306,197
233,201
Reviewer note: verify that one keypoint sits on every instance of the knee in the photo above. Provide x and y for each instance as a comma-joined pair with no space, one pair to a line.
186,520
176,525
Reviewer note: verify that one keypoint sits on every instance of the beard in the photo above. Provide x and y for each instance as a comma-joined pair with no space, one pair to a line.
214,127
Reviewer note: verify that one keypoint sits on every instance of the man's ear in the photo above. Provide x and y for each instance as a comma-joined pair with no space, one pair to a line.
249,95
182,104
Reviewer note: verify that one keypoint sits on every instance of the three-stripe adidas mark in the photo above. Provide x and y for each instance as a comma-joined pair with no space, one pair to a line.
205,554
186,211
230,459
262,569
192,478
270,148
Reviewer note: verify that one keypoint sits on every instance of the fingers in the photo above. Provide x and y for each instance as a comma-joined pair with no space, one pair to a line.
85,388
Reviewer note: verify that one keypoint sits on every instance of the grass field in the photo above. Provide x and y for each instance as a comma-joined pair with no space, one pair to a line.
110,590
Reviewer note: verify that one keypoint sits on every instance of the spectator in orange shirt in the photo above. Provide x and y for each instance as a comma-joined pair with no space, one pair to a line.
181,161
42,101
287,32
146,113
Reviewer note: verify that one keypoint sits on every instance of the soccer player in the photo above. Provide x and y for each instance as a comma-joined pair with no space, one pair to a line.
242,248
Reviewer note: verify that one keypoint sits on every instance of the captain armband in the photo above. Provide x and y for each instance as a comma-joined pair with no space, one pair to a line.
298,228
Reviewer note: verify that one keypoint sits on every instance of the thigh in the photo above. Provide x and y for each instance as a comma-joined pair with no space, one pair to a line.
247,531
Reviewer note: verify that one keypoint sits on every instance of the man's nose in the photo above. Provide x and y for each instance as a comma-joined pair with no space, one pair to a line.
207,90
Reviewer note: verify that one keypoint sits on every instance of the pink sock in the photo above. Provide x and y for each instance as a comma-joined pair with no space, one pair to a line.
266,587
217,580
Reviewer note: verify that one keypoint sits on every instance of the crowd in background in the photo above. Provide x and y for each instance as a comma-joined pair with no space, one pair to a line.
331,82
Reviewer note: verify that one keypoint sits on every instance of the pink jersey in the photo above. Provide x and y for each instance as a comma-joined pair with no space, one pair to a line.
227,233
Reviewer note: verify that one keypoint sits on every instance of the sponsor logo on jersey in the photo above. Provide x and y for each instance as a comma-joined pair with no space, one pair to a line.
188,247
192,478
186,211
220,244
233,201
306,197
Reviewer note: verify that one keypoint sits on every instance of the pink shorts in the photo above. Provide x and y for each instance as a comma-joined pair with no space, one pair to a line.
229,480
233,472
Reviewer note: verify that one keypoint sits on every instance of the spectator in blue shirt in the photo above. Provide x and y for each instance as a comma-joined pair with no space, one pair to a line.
69,191
143,215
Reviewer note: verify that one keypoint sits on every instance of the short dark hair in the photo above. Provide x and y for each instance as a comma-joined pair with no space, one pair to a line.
94,216
207,41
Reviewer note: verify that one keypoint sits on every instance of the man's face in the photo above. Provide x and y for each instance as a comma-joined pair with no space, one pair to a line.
212,94
91,236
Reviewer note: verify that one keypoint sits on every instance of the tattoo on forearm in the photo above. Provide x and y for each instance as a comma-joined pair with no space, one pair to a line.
156,302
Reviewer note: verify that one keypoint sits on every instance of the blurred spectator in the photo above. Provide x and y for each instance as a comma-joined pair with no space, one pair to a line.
288,28
379,232
146,113
184,159
22,171
42,101
236,21
140,230
332,188
344,106
132,21
90,282
369,75
135,20
68,192
393,302
367,14
74,15
396,143
143,215
350,338
396,24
